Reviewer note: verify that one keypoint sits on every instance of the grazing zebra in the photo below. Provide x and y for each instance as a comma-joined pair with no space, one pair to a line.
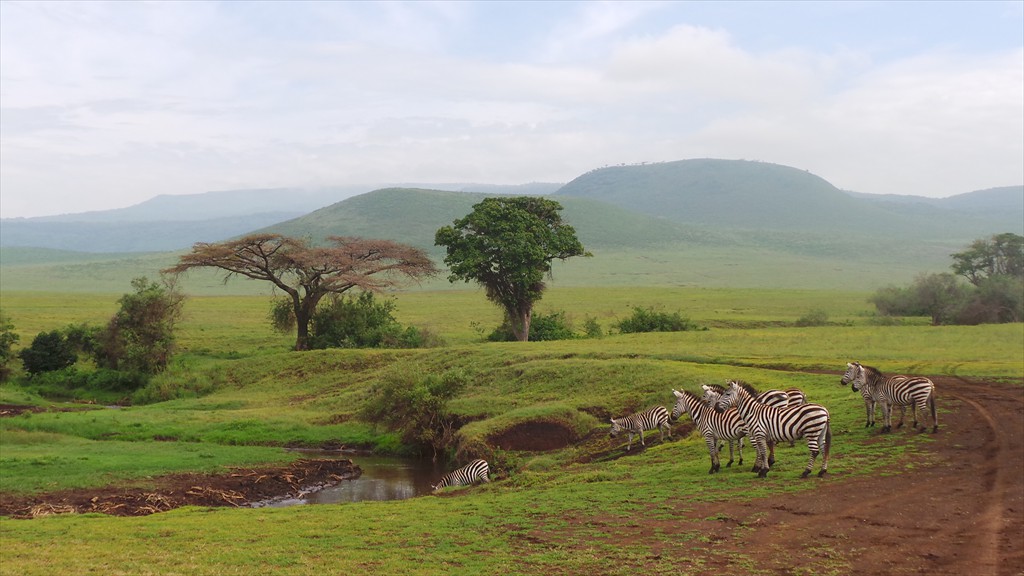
869,397
915,391
655,417
712,425
475,471
768,423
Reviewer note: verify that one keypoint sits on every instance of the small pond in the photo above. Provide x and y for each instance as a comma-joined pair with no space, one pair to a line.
383,478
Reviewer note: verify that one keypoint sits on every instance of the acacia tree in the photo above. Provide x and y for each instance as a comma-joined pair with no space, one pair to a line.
306,273
507,246
1001,255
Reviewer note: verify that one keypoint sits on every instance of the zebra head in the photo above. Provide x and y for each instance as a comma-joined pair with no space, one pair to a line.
616,429
851,373
728,397
711,395
680,406
855,376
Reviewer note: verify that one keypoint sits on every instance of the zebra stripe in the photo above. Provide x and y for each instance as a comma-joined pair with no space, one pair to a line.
475,471
654,417
768,423
917,392
712,425
796,397
869,397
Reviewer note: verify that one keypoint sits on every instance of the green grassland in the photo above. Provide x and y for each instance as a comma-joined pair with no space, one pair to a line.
239,394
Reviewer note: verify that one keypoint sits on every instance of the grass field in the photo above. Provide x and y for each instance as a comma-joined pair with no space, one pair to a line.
256,394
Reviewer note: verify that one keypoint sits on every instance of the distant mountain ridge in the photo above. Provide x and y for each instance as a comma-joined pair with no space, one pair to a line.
698,200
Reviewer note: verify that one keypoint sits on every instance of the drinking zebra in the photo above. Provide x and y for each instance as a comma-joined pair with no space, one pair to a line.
869,398
654,417
712,425
475,471
767,424
917,392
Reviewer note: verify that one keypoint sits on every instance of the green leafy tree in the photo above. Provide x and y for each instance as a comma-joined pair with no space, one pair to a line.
8,338
140,336
507,245
359,322
307,273
50,351
1000,255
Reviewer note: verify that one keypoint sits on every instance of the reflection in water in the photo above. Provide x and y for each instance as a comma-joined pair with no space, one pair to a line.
383,478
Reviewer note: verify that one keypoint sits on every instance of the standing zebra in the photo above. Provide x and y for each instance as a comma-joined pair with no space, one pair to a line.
767,423
712,425
917,392
475,471
655,417
776,398
869,397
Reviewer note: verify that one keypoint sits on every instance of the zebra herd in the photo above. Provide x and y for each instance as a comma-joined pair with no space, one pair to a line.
737,410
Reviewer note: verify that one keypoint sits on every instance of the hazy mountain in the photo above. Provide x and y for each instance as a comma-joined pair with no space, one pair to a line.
738,194
702,200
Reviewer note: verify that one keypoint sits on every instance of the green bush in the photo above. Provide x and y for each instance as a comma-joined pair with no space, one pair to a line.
647,320
416,407
101,385
816,317
362,322
7,340
543,327
49,351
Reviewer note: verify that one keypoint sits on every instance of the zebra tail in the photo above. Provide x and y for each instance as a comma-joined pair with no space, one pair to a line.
935,412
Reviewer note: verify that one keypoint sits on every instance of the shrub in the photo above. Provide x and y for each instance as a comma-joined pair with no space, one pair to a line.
543,327
416,407
7,340
647,320
49,351
362,322
816,317
140,336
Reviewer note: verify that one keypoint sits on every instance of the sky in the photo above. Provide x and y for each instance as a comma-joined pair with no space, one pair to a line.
107,104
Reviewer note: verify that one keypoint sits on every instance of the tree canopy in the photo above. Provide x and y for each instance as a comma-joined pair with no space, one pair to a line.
306,272
507,246
1000,255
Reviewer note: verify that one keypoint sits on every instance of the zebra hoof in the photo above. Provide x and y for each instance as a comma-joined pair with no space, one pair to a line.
935,429
729,464
805,474
763,473
822,473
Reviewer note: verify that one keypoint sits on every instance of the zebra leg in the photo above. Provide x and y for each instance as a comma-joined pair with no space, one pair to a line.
729,463
934,411
771,453
712,443
903,414
630,444
886,417
739,448
762,451
869,407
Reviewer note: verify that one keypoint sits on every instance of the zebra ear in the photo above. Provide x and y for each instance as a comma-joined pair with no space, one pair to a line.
677,393
704,387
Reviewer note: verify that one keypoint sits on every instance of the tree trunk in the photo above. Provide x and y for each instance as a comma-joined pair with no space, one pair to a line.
521,323
302,331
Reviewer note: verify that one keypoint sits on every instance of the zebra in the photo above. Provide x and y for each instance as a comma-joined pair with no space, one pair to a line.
475,471
869,397
654,417
768,423
712,425
917,392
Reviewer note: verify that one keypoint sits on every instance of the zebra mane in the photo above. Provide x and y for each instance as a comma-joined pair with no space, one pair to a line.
717,388
691,395
871,370
750,389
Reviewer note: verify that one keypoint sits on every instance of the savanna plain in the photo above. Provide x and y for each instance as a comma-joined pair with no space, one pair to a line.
900,503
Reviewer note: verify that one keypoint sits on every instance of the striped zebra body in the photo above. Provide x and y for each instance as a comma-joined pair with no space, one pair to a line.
475,471
795,397
767,424
870,397
712,425
917,392
650,419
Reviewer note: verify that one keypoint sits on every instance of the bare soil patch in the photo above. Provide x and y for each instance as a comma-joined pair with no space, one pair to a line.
238,487
534,437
